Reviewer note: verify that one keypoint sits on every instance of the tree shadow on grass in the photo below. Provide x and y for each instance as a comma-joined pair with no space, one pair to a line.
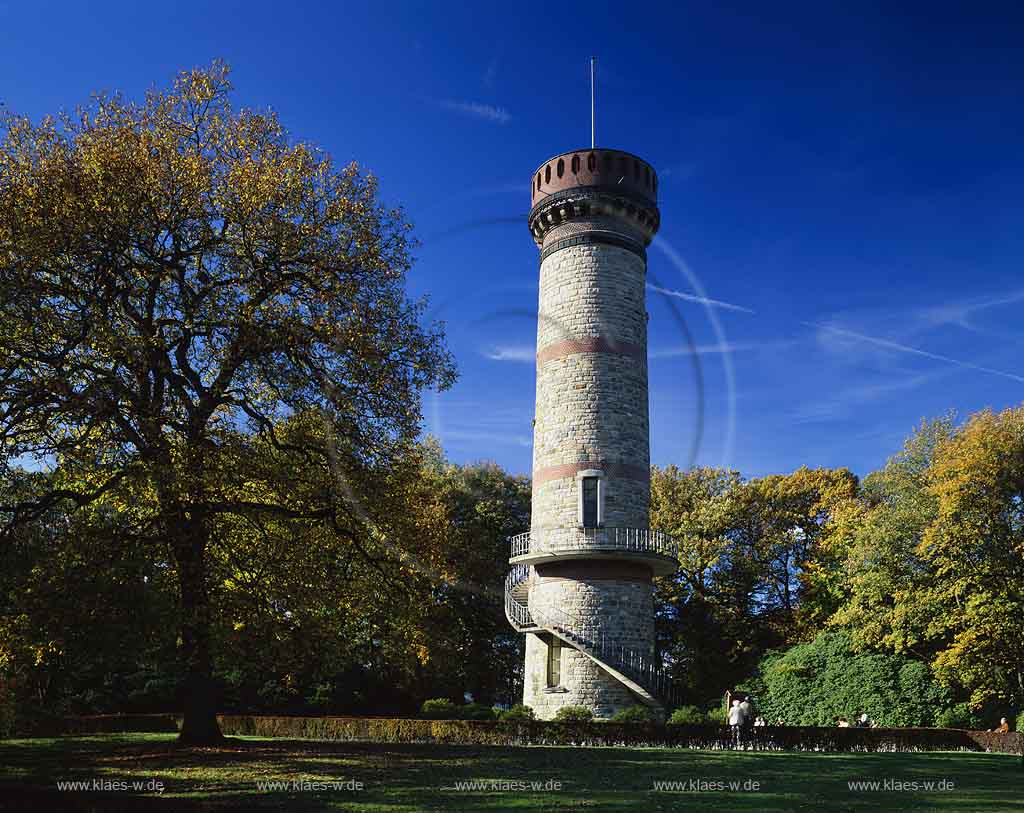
438,777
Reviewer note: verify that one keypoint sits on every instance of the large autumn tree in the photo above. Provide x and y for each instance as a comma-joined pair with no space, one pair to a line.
173,272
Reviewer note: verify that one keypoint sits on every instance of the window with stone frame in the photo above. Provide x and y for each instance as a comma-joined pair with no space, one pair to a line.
554,662
589,487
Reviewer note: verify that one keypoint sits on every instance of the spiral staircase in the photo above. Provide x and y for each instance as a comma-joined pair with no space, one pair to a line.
638,671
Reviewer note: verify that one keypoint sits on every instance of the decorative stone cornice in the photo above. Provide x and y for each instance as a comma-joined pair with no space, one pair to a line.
637,214
591,238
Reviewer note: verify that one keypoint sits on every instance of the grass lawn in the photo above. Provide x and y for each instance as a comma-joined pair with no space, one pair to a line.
396,778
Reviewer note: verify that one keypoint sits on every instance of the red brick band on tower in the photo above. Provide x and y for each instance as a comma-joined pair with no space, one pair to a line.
593,344
627,470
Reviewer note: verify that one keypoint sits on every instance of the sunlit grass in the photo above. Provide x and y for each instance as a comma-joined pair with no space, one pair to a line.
398,778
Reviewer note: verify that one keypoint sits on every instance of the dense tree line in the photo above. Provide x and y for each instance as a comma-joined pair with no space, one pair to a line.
787,577
898,595
302,620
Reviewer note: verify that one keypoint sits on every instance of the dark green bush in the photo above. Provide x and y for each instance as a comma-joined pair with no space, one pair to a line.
1020,723
958,716
687,715
633,714
8,722
474,711
439,708
574,714
517,712
814,684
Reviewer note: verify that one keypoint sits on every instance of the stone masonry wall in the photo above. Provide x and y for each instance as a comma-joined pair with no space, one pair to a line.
623,610
592,406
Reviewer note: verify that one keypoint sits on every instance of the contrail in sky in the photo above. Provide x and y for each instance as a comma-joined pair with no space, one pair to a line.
903,348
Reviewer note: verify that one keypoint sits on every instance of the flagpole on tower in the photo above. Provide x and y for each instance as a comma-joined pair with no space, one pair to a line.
593,63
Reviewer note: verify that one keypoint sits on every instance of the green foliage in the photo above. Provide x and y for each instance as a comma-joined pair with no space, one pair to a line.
687,715
1020,723
958,716
322,695
633,714
475,711
241,277
760,565
818,682
8,707
439,708
517,712
574,714
888,606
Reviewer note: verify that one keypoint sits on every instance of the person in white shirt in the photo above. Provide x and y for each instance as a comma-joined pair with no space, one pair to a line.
735,719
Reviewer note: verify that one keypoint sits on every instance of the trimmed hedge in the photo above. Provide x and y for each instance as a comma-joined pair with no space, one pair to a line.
536,732
530,732
101,724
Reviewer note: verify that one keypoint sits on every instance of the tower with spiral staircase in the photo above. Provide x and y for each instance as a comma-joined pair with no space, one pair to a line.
580,587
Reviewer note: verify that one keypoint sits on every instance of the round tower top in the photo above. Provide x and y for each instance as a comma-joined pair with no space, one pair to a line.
615,170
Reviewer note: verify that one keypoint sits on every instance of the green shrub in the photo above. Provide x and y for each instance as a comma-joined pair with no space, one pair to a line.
687,715
322,696
474,711
7,716
958,716
1020,723
817,682
439,708
517,712
716,716
633,714
574,714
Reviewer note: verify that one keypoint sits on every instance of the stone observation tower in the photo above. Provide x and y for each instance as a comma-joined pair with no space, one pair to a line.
580,586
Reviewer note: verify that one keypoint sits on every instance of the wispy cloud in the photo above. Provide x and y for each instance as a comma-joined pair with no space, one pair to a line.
711,349
479,110
492,71
679,172
490,438
843,403
916,351
701,300
519,352
959,313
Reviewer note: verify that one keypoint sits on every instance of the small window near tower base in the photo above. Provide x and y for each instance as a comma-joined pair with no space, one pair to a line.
554,663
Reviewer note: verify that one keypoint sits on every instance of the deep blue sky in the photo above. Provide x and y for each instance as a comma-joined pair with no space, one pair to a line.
848,180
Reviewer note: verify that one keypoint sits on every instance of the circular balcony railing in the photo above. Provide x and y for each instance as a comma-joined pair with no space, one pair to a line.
561,541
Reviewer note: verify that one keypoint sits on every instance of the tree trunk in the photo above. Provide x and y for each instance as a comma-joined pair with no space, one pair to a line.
198,692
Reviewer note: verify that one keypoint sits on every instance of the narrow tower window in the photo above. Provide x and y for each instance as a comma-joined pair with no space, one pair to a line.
554,663
589,486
